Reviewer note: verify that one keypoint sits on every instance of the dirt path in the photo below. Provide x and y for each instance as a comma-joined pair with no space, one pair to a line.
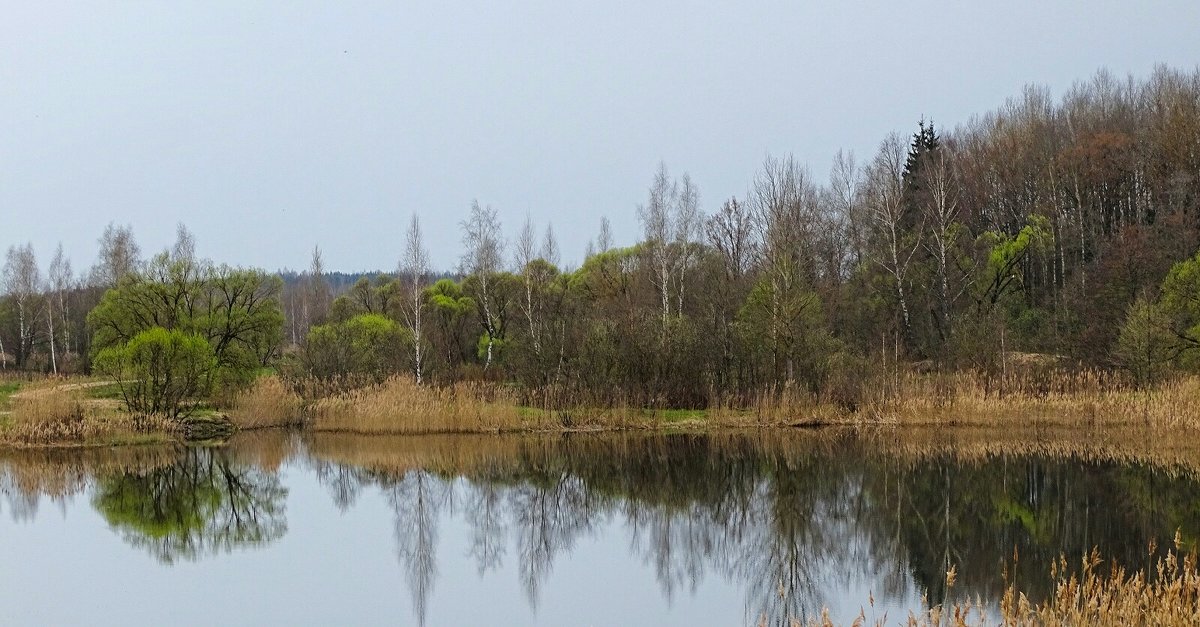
69,387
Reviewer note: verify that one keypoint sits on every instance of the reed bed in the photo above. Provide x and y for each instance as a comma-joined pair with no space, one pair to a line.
1091,594
1063,398
57,414
267,403
400,406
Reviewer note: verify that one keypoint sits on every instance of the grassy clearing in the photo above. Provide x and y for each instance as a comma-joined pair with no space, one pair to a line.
55,413
7,389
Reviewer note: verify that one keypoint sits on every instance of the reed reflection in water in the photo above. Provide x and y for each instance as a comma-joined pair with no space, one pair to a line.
787,522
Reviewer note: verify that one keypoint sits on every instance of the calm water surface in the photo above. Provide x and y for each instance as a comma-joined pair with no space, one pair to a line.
725,529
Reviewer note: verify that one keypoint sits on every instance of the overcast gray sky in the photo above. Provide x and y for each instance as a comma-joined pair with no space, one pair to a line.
270,127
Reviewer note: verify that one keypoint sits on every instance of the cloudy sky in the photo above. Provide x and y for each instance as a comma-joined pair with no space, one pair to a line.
270,127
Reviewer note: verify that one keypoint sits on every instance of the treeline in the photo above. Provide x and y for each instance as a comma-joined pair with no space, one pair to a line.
1067,229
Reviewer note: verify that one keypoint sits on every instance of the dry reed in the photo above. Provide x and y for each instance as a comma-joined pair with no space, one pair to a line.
57,414
1089,595
400,406
267,403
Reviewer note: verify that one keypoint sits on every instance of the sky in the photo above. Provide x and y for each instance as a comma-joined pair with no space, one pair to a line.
269,128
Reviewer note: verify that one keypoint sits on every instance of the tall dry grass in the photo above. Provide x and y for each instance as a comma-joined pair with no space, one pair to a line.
48,416
399,406
267,403
58,414
1084,398
1092,594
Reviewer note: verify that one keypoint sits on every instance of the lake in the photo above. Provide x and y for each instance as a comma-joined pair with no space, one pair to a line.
727,528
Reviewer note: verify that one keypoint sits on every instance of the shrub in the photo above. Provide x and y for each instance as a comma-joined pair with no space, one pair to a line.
158,370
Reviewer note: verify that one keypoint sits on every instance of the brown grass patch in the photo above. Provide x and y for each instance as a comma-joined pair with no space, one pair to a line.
267,403
57,414
399,406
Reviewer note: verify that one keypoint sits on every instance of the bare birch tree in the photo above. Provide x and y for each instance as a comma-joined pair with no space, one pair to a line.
482,259
941,214
119,255
22,282
415,267
58,282
688,223
894,245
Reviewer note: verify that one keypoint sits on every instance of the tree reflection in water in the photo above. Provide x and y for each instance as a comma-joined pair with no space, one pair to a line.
201,504
797,521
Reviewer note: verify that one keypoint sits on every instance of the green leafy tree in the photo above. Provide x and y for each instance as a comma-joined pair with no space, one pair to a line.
1180,303
1146,345
235,310
788,329
451,312
158,370
367,346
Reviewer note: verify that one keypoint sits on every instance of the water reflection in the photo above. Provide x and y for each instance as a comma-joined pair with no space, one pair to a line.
174,502
795,521
200,504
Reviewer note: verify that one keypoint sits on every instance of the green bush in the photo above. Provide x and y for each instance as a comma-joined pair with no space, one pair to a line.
367,346
158,370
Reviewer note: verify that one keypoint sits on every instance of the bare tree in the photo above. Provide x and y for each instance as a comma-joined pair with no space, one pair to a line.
604,240
62,280
785,209
317,295
549,250
689,225
658,231
185,244
58,281
119,255
845,184
894,245
731,232
941,213
22,281
524,251
482,259
415,267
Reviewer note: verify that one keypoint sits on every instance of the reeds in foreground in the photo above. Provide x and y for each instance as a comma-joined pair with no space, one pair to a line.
1090,595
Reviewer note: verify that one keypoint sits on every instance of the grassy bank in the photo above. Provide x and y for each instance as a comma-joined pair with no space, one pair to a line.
85,412
73,413
1049,399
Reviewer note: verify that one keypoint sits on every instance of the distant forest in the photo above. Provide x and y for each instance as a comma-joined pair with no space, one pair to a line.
1066,230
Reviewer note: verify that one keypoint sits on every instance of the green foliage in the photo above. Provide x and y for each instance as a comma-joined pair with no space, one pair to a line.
235,310
158,370
1001,274
1146,345
1180,303
367,346
788,332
